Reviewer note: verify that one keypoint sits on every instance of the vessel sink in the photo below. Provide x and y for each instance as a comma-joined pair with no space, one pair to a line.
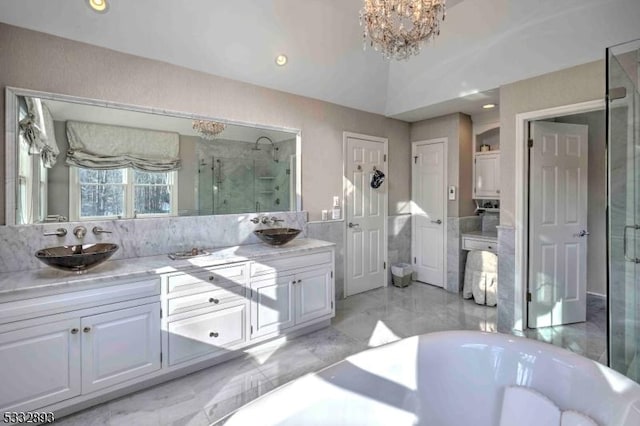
78,258
277,236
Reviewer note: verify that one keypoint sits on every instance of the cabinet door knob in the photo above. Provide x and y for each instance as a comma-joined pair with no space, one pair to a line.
293,282
74,331
213,334
211,278
299,281
86,329
212,300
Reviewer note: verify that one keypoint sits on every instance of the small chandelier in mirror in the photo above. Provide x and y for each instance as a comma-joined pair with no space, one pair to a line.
398,28
208,129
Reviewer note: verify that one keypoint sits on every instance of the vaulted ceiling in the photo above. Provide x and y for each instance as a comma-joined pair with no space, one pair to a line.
483,44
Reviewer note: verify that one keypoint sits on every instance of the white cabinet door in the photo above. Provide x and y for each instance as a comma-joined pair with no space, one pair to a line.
487,176
207,334
120,345
39,365
314,295
272,305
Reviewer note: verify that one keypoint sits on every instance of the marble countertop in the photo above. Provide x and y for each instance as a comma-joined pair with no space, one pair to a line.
47,281
488,235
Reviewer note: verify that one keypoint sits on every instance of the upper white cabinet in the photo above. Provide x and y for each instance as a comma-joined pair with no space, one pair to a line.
486,161
40,365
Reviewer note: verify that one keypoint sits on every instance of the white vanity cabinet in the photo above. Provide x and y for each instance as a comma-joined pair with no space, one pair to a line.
70,352
120,345
40,365
290,292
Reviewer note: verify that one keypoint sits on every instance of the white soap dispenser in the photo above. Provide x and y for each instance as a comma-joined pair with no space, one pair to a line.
336,211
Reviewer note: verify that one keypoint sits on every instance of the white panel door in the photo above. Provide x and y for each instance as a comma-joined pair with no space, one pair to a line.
366,216
558,224
429,212
272,305
314,294
39,365
120,345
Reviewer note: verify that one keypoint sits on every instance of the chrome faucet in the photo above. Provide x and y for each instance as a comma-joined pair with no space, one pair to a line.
256,220
276,220
97,230
80,232
60,232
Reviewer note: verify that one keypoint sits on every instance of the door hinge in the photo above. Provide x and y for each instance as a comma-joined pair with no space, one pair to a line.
160,313
331,274
528,296
415,260
530,143
251,329
384,265
160,357
332,304
384,158
415,159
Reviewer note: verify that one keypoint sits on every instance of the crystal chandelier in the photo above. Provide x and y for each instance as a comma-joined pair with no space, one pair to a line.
398,28
208,129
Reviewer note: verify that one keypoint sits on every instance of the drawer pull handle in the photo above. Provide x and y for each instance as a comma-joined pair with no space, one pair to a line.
490,247
74,331
212,300
213,334
211,278
299,281
86,329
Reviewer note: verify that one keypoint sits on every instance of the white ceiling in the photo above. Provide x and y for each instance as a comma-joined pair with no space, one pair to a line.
484,44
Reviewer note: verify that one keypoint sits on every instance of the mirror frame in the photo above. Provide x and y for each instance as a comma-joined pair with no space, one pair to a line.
11,133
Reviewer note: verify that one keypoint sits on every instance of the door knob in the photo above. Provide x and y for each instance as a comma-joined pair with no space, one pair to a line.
86,329
74,331
213,334
438,222
353,225
213,300
583,233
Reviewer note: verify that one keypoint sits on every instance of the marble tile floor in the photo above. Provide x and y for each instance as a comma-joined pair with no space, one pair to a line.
365,320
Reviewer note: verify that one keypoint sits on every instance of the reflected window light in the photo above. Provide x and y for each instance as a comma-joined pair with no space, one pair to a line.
382,334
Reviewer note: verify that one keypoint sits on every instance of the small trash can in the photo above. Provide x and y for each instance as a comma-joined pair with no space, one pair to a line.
401,274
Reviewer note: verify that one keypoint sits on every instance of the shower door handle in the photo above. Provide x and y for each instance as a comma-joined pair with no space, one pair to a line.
624,243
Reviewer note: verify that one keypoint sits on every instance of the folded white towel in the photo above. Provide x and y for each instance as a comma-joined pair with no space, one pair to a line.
573,418
525,407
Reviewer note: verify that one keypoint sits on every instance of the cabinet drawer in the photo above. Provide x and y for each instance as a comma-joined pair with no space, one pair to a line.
207,334
213,298
282,264
479,244
207,279
40,306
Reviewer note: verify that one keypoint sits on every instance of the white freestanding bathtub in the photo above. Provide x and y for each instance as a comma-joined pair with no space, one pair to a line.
441,379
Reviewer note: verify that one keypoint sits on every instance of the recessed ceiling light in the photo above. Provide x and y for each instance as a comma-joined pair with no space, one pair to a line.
99,6
488,106
281,60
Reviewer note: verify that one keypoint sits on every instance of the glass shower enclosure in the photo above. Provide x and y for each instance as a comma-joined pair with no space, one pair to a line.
623,121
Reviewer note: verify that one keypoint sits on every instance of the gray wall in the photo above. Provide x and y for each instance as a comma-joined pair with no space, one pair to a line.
39,61
597,201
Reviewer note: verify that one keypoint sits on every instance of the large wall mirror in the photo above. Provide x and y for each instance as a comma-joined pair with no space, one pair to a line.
75,159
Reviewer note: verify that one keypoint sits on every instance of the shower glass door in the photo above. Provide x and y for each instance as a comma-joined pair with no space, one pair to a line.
623,115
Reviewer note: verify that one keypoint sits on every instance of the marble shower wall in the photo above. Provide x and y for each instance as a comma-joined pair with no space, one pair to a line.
509,306
456,257
139,237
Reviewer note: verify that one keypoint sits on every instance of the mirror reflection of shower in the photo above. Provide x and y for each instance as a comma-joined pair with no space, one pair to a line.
274,148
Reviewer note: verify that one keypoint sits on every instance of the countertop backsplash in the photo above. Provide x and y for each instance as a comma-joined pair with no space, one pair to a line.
139,237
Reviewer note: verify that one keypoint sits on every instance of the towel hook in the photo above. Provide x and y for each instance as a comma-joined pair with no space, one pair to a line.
374,169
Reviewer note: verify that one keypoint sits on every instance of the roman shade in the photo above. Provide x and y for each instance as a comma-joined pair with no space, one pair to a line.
103,146
37,130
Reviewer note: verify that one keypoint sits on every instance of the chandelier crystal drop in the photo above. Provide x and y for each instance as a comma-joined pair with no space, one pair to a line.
398,28
208,129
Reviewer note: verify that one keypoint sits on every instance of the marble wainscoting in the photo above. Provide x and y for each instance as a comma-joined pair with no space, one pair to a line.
509,305
456,257
332,231
399,249
139,237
